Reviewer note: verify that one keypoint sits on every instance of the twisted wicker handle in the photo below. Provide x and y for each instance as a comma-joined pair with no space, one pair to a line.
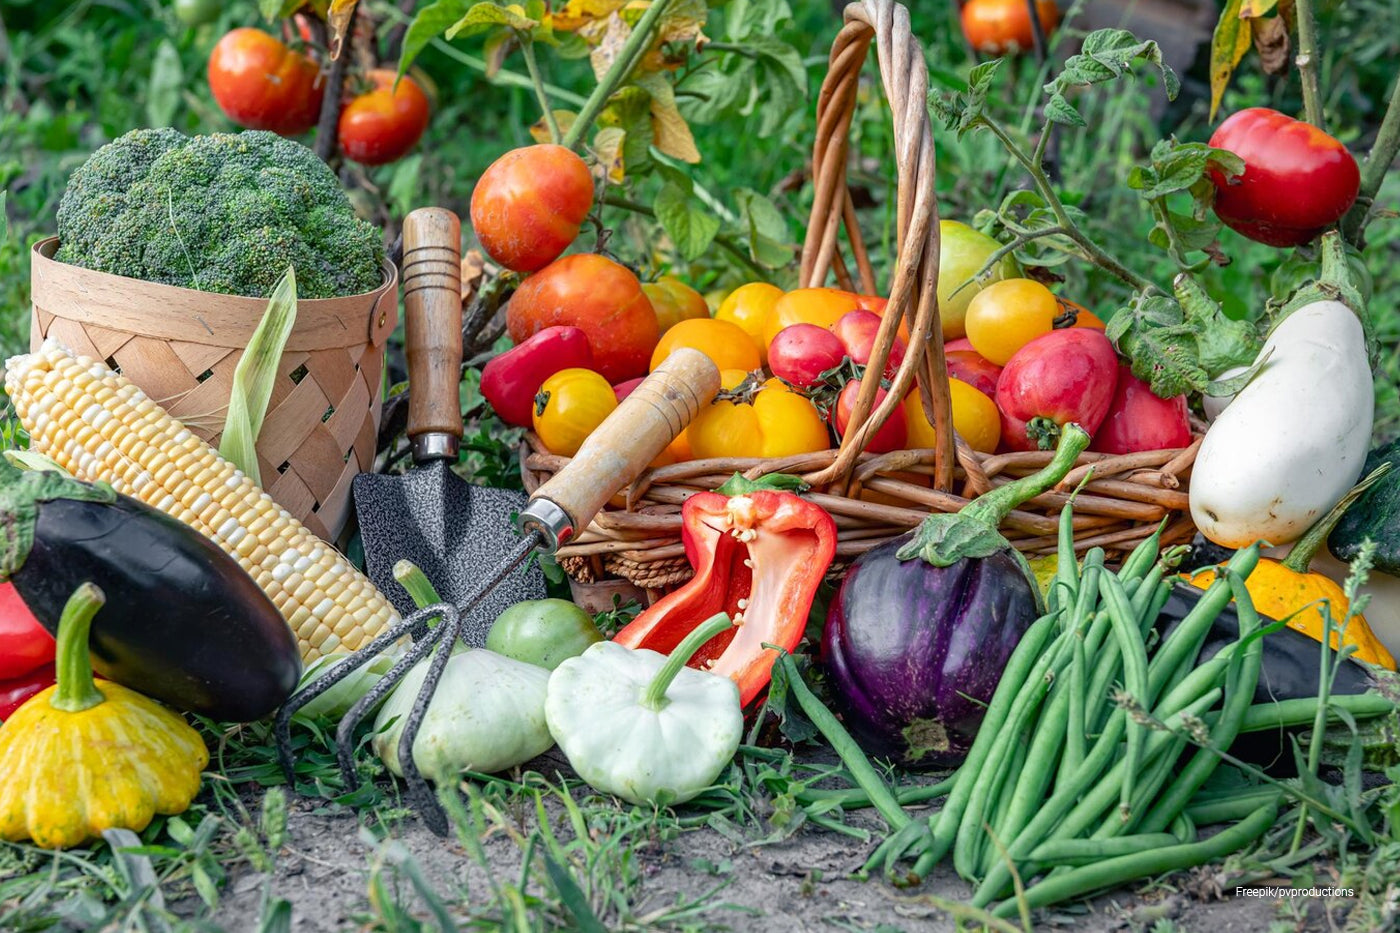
913,295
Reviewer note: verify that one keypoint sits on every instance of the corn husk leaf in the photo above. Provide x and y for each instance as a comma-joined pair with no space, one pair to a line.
254,377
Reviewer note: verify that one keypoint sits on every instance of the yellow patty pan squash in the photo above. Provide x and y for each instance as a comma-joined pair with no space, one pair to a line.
80,758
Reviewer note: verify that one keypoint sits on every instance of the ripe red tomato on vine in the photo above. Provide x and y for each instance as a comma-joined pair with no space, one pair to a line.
262,84
1000,26
384,123
528,205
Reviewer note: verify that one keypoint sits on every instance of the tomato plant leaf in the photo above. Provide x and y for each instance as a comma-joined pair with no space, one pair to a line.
429,23
579,13
608,147
630,111
1253,9
1108,54
766,228
963,111
273,10
484,16
1059,110
673,136
1270,36
163,91
1227,47
685,221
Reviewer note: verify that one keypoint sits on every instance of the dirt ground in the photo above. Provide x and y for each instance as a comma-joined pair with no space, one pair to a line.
801,884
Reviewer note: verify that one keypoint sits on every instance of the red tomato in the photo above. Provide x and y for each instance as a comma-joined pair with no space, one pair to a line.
801,353
856,330
892,434
1063,376
624,389
1297,179
24,643
1000,26
962,343
967,365
598,296
1140,420
528,205
382,125
261,84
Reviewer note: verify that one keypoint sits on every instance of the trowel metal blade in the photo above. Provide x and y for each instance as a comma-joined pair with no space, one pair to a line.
456,532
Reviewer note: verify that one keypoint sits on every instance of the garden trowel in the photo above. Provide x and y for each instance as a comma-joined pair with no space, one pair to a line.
451,529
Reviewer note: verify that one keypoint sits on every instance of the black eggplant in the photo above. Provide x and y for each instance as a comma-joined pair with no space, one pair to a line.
1289,670
183,622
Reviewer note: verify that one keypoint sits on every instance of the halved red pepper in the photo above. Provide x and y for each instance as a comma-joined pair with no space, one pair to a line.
511,381
24,643
758,556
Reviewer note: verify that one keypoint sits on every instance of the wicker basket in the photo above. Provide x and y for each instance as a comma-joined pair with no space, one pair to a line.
181,347
870,496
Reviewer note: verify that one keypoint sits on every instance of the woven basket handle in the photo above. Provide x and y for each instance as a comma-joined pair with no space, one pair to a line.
913,295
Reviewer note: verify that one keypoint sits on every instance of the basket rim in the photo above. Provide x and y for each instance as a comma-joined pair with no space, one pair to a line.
322,323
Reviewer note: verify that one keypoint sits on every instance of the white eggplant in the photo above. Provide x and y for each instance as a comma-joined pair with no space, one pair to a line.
487,715
1292,441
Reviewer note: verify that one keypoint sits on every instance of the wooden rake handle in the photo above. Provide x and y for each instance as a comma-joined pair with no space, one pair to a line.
615,454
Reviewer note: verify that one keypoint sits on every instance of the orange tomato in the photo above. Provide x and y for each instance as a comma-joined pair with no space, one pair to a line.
721,341
776,422
749,306
1083,317
1000,26
1005,316
674,301
975,418
820,306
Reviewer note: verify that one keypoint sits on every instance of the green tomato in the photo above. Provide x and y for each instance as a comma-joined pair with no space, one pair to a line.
962,253
543,632
196,12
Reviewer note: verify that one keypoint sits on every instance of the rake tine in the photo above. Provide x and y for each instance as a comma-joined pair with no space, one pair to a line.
419,794
282,728
345,750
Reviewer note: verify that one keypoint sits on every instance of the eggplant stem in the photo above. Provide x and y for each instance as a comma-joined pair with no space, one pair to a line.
655,697
994,506
76,690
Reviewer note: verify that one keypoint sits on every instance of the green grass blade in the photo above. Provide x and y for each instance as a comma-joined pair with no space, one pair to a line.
254,378
572,897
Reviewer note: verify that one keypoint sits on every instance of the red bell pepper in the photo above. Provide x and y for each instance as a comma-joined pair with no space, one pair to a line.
16,691
511,381
758,556
24,643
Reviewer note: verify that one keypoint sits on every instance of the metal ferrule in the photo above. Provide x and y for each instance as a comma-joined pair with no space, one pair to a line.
435,445
552,523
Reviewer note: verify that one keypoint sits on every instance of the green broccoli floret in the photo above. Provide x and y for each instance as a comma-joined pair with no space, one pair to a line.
226,212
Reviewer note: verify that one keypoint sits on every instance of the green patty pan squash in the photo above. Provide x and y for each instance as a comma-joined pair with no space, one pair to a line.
80,758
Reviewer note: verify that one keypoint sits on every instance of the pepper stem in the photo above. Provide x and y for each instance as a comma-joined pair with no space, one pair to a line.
76,690
995,505
655,697
1305,549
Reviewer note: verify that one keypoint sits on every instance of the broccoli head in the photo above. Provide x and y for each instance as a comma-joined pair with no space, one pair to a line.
226,212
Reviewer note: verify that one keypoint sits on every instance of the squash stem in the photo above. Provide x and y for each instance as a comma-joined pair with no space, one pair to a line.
655,697
995,505
76,690
1301,554
419,587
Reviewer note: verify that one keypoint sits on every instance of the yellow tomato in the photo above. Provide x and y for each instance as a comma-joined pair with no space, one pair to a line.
749,306
820,306
975,417
1005,316
674,301
721,341
570,406
776,422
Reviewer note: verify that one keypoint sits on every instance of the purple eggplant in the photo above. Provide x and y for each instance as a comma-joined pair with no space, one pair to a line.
917,637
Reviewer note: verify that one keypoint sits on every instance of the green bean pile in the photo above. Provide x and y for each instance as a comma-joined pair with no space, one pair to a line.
1086,769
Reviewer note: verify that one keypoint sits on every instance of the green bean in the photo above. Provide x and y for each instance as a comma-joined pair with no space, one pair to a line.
1112,872
1003,795
1225,808
1241,681
970,837
1184,828
1184,643
1282,714
1144,596
1134,654
1143,556
1023,658
1075,729
853,798
1061,802
1065,587
1041,754
1089,851
1158,770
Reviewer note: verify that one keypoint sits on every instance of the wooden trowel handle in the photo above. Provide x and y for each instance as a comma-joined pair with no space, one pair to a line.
617,452
432,296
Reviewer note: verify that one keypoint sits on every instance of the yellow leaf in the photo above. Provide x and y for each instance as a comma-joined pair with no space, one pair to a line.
673,135
1253,9
613,37
539,130
607,150
1227,46
578,13
683,21
338,17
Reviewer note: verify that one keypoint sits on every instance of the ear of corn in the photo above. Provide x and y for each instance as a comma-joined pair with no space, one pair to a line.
98,425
